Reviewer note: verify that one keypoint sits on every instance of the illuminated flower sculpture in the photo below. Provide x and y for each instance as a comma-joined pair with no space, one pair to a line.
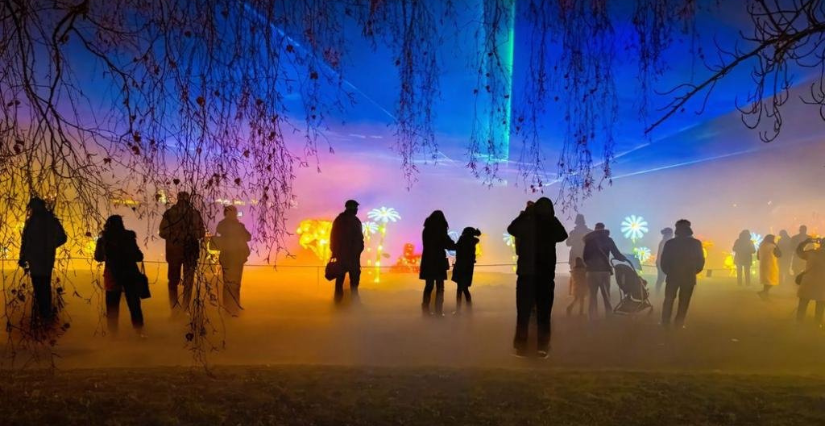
634,227
314,234
510,241
381,217
756,239
642,253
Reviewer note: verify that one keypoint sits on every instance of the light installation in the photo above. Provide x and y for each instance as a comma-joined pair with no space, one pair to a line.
642,253
314,235
634,227
510,241
381,217
410,261
756,239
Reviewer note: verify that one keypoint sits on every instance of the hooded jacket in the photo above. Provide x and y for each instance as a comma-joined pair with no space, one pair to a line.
537,231
598,246
682,257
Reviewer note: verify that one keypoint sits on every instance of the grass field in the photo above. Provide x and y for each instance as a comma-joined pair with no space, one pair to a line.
317,395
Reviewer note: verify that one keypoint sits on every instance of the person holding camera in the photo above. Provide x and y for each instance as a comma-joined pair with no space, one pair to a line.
465,259
812,280
537,230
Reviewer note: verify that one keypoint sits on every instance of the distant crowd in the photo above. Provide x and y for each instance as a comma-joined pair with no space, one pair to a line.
594,262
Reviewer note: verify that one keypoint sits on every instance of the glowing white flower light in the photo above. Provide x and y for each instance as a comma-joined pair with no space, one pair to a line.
756,239
369,228
509,240
642,253
634,227
384,215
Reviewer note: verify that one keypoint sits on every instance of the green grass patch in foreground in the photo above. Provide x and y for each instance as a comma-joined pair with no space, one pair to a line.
315,395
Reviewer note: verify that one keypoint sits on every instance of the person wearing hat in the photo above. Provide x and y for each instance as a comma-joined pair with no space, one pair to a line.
232,240
682,260
346,244
42,235
182,227
667,235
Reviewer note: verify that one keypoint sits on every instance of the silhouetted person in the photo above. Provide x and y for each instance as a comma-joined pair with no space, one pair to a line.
787,249
232,238
598,247
118,247
578,282
798,263
42,235
434,263
465,259
667,234
576,240
182,228
812,282
768,255
743,250
346,244
682,260
537,231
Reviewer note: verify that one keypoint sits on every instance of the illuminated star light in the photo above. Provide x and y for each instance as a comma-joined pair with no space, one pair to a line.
634,227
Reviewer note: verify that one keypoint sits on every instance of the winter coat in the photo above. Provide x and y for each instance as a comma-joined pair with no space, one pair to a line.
536,238
743,250
121,253
42,235
232,242
347,240
576,243
768,256
813,281
798,263
182,228
659,252
683,259
598,246
434,263
465,259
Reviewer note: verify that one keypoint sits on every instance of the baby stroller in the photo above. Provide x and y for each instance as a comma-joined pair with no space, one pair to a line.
635,297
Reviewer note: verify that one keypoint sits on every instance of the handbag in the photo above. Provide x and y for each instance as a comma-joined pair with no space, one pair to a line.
333,270
142,283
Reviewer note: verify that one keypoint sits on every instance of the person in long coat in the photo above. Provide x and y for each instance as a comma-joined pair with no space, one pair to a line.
787,249
233,242
682,260
798,263
434,262
465,259
118,247
812,282
743,250
576,240
183,229
537,230
42,235
667,235
346,245
768,255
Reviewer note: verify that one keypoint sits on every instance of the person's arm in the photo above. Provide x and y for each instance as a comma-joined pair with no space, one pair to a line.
700,257
100,253
335,238
559,232
800,250
247,236
516,228
666,260
163,229
449,244
60,237
358,229
777,252
616,253
24,247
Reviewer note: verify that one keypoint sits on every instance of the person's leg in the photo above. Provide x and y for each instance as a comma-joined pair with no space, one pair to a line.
354,282
231,288
468,297
747,276
544,288
739,272
685,293
671,289
819,311
42,287
593,286
604,284
425,300
439,297
173,275
339,287
802,309
135,310
112,309
525,301
660,279
190,265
